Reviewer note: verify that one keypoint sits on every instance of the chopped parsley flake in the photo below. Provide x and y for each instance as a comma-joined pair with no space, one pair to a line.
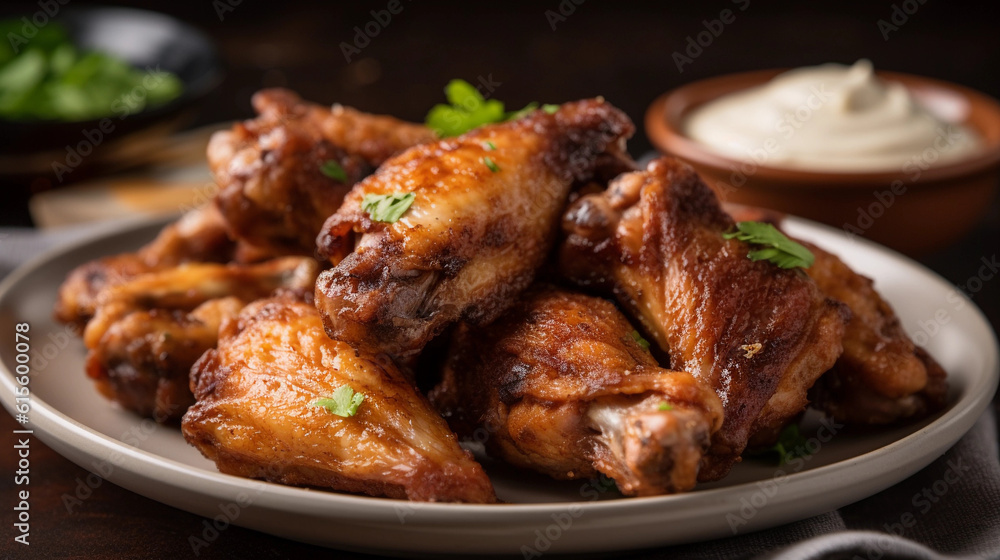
387,207
344,402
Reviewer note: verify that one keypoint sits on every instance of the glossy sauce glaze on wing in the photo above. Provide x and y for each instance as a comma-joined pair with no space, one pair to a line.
483,218
147,332
273,190
562,386
255,416
759,335
882,376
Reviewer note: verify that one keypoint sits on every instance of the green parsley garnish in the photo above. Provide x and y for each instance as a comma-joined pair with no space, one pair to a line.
487,145
791,444
665,406
642,341
344,402
468,109
780,250
550,108
387,207
333,170
491,164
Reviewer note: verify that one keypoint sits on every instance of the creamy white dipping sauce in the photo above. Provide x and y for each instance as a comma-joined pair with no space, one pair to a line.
828,118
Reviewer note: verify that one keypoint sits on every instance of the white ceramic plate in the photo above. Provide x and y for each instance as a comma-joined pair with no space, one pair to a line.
543,515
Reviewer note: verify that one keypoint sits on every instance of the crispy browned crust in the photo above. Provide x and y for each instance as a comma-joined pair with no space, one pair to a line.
199,235
147,332
272,190
277,359
654,239
882,376
472,239
560,385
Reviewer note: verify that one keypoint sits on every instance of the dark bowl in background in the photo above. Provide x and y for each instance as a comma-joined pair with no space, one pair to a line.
142,38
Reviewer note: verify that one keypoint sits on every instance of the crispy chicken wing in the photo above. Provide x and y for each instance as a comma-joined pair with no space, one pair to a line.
273,191
563,386
485,215
147,332
882,376
256,417
199,235
757,334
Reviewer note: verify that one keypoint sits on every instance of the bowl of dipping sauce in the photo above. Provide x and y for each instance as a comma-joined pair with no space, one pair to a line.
904,160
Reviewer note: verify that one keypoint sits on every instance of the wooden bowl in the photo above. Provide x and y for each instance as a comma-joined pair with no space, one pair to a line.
914,211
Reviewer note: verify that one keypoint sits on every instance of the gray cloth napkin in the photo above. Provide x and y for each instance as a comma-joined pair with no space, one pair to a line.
912,520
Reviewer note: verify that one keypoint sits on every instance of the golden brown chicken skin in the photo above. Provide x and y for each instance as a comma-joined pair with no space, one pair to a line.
759,335
199,235
148,332
882,376
484,217
276,358
563,387
273,191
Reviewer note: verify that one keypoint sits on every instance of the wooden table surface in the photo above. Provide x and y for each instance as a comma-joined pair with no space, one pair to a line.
602,48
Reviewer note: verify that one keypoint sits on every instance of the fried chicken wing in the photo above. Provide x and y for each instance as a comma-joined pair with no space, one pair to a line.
484,217
199,235
759,335
273,191
882,376
256,417
148,332
563,387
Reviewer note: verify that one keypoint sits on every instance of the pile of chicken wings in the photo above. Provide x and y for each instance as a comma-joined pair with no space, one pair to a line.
593,317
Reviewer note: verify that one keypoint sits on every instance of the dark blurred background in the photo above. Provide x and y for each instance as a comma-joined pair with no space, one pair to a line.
617,49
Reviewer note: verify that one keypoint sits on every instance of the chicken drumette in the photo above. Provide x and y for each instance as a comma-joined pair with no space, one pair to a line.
757,334
257,416
484,215
882,376
282,174
564,387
